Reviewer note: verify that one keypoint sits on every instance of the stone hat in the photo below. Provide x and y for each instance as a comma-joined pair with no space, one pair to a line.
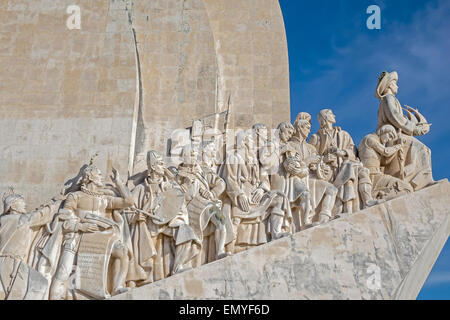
153,156
384,80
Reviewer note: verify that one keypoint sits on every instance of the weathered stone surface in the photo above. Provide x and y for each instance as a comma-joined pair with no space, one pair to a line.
64,94
402,237
136,70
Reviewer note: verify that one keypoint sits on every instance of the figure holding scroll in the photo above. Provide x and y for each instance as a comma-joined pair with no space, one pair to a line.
85,212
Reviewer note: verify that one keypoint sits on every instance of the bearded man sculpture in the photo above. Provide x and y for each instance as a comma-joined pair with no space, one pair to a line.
86,211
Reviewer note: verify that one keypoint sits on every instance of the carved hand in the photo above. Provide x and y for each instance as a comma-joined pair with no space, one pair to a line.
116,176
206,194
257,195
88,227
141,217
293,168
176,223
326,169
303,172
421,129
313,166
243,202
315,159
341,153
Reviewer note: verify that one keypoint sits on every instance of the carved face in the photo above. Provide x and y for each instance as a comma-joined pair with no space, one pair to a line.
156,165
304,129
262,133
19,206
249,141
387,137
286,133
189,156
209,151
96,177
330,117
394,86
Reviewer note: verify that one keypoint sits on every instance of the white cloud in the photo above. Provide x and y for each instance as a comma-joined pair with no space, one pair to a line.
419,50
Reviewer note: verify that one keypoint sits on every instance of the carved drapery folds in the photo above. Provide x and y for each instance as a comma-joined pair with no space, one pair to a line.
207,201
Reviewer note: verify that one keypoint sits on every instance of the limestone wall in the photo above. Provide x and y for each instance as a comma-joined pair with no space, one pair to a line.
135,71
65,94
383,252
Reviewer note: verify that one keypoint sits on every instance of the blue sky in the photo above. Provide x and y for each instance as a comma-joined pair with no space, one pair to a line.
335,61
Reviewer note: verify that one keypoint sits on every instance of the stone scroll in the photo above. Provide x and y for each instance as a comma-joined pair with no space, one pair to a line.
93,260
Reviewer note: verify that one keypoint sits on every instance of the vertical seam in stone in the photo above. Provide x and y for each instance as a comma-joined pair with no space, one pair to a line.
138,128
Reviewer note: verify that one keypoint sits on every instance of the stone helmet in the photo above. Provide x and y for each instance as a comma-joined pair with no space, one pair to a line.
9,199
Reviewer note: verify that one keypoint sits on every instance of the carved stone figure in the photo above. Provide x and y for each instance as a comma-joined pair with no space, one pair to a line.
268,158
333,143
375,154
291,178
163,241
323,193
96,240
280,220
178,139
209,156
18,230
415,164
202,192
338,150
249,191
261,134
92,236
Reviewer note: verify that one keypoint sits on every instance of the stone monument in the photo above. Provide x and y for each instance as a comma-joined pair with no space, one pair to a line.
190,99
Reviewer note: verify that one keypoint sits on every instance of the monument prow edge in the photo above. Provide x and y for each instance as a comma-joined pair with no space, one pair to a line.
382,252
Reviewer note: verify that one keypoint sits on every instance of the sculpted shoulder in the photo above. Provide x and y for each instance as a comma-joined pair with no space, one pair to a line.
314,139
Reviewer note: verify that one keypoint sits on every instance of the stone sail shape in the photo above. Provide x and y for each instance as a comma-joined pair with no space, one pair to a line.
136,70
383,252
65,94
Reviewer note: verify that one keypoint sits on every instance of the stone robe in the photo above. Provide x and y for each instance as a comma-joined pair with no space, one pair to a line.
154,244
244,177
192,179
17,234
416,166
348,173
318,189
322,141
373,155
293,187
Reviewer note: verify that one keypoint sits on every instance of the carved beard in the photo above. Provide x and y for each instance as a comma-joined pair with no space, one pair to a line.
159,171
98,183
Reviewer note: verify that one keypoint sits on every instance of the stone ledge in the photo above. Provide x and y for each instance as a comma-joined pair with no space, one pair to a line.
402,237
